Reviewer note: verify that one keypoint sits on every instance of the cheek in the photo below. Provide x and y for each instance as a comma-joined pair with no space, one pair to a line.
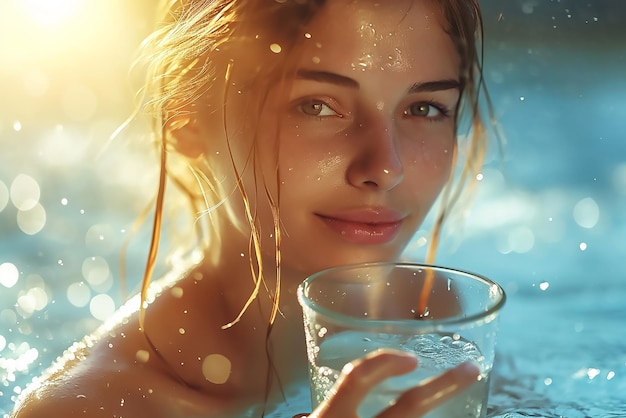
429,162
302,173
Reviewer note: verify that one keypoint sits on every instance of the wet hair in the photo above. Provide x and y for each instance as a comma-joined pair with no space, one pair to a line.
196,51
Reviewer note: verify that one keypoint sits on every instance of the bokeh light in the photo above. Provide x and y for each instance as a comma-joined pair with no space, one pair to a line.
102,306
95,270
9,274
34,299
25,192
33,220
586,213
78,294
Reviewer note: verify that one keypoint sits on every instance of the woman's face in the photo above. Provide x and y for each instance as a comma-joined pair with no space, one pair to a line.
365,136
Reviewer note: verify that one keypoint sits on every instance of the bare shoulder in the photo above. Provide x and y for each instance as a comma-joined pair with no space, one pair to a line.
83,383
101,379
113,373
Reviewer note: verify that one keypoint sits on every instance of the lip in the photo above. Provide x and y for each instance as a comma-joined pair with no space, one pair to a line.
367,226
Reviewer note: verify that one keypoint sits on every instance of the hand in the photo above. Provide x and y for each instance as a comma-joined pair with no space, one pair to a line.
359,378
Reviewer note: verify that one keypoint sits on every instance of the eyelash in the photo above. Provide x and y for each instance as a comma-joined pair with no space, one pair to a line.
442,110
316,102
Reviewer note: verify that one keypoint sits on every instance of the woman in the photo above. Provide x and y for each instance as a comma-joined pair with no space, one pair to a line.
313,133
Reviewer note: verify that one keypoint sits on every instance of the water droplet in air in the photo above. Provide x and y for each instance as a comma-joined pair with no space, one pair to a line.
216,368
142,356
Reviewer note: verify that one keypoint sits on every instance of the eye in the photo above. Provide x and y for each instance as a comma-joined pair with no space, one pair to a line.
425,110
316,108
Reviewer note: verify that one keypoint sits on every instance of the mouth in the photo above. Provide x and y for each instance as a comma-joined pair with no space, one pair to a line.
371,227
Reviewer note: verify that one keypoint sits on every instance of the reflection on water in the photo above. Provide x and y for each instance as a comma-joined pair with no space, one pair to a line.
548,221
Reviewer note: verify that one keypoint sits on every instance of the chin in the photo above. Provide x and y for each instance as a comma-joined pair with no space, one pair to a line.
306,267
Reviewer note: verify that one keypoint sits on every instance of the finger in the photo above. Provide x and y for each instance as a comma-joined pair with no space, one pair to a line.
434,392
360,376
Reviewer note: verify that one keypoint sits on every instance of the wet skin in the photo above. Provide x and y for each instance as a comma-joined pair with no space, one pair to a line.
365,146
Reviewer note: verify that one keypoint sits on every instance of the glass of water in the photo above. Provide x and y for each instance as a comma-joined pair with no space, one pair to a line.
444,316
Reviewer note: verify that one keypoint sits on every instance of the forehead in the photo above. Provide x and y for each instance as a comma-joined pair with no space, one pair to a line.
390,35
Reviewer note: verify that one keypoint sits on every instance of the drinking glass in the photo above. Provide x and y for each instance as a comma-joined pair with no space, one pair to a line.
442,315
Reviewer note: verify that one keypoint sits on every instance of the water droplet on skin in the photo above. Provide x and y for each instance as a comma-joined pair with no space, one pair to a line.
181,331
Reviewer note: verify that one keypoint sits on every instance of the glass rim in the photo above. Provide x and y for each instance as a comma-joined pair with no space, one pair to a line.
401,324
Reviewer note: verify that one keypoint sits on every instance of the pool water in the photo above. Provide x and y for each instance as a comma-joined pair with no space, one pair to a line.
548,221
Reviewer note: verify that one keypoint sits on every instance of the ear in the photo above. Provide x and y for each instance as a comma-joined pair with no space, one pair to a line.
186,135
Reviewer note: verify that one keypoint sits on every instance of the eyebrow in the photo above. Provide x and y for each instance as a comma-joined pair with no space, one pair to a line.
437,85
327,77
340,80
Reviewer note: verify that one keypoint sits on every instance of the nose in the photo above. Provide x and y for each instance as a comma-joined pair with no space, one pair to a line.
377,164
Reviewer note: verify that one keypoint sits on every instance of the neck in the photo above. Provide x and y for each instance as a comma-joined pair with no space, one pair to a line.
205,315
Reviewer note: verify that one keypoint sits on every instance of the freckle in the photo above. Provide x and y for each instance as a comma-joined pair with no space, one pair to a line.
142,356
177,292
216,368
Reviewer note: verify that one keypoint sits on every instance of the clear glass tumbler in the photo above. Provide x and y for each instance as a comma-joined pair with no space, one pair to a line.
444,316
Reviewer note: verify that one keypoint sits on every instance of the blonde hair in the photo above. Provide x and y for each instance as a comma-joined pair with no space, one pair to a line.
190,58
